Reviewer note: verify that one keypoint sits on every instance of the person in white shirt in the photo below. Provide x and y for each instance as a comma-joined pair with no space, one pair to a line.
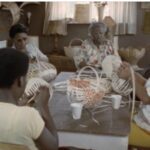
140,128
23,125
19,35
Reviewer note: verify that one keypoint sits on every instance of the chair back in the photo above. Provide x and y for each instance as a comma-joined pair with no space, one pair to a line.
8,146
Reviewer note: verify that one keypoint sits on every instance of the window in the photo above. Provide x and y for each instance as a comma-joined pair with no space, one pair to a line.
123,13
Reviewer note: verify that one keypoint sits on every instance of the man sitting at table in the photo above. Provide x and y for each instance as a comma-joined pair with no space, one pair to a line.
140,128
23,125
19,35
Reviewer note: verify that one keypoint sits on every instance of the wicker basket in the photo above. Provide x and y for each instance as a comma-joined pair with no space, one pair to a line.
132,55
82,13
71,50
85,90
121,86
14,10
110,66
41,69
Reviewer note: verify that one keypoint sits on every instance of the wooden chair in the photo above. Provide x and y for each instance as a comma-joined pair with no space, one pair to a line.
7,146
138,138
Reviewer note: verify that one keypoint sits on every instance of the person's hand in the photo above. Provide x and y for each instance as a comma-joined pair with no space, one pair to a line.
124,71
32,59
27,100
94,62
82,64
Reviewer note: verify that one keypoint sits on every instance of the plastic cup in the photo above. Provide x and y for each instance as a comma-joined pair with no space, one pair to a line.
116,101
76,110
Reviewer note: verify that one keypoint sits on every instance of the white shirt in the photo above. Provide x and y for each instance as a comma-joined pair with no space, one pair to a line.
142,119
34,52
20,125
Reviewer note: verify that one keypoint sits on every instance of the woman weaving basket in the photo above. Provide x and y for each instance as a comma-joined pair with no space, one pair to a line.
140,128
40,70
96,48
19,35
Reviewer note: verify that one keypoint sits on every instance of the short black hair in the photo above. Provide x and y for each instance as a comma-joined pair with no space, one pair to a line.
17,28
13,64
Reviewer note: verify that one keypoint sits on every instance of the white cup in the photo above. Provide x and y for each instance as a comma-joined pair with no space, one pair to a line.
76,110
116,101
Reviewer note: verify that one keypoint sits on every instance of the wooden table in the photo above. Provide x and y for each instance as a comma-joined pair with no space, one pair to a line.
111,134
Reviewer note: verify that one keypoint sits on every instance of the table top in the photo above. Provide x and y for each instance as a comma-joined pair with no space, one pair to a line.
111,122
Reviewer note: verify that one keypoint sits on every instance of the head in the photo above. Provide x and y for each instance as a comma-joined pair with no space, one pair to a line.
98,32
19,35
13,69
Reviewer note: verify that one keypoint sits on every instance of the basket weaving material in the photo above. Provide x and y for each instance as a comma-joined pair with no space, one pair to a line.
43,70
39,74
33,86
85,90
110,66
121,86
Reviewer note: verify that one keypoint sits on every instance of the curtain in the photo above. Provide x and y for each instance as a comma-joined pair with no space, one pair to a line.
93,12
56,15
91,15
124,13
62,10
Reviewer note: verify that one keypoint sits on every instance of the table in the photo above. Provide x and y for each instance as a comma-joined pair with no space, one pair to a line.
111,134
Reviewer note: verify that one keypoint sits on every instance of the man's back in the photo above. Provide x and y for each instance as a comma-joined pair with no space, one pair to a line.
19,125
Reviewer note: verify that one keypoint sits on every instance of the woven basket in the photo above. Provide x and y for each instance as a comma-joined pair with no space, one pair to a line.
132,55
121,86
110,66
85,90
41,69
71,50
82,13
14,10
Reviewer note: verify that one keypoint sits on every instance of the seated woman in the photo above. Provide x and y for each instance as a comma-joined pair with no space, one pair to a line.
23,125
19,35
140,128
96,48
32,127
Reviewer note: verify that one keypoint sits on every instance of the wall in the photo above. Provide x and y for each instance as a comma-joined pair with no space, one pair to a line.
47,42
138,40
80,31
